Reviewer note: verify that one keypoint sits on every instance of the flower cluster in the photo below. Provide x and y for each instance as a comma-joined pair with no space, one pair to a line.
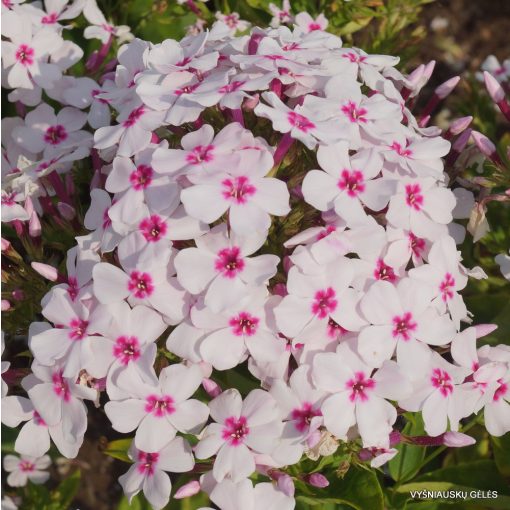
266,204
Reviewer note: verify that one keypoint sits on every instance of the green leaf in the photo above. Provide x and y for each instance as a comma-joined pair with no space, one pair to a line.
118,449
358,489
67,490
407,462
501,449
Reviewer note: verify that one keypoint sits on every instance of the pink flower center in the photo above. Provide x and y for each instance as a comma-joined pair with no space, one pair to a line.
300,122
188,89
8,199
500,391
355,59
26,466
416,244
55,134
153,228
60,387
126,349
275,57
313,26
403,326
147,462
384,272
73,288
235,430
231,20
335,330
141,178
95,93
184,62
159,406
354,113
244,324
303,416
400,150
441,379
325,232
231,87
140,284
229,262
50,19
238,189
78,329
25,55
352,182
414,198
38,420
359,387
134,116
200,154
324,303
447,287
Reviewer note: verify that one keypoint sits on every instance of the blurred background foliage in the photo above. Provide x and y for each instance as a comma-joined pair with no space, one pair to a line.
459,35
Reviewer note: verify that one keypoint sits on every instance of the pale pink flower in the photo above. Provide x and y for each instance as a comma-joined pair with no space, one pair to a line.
100,28
282,15
26,468
304,21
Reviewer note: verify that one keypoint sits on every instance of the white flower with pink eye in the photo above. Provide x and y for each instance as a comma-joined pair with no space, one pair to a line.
241,431
103,237
25,56
246,327
133,132
282,15
159,409
301,123
70,339
54,11
404,246
435,391
59,402
422,207
54,135
419,157
34,436
141,282
300,405
306,23
358,394
348,183
26,469
148,474
243,192
503,260
12,208
233,22
100,28
401,316
220,267
319,300
127,340
444,273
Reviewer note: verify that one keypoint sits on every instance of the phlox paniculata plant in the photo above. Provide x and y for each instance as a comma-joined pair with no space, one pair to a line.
264,208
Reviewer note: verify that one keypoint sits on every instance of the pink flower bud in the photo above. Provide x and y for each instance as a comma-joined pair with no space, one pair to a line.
67,211
395,437
45,270
5,244
446,88
317,480
155,138
187,490
494,89
313,439
29,206
462,140
460,125
486,147
18,295
457,439
429,69
212,388
286,485
5,305
251,102
34,225
484,329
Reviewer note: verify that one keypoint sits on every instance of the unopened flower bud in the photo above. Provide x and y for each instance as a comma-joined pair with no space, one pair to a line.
5,244
34,225
494,89
286,484
486,147
317,480
187,490
67,211
459,125
5,305
18,295
45,270
446,88
212,388
457,439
